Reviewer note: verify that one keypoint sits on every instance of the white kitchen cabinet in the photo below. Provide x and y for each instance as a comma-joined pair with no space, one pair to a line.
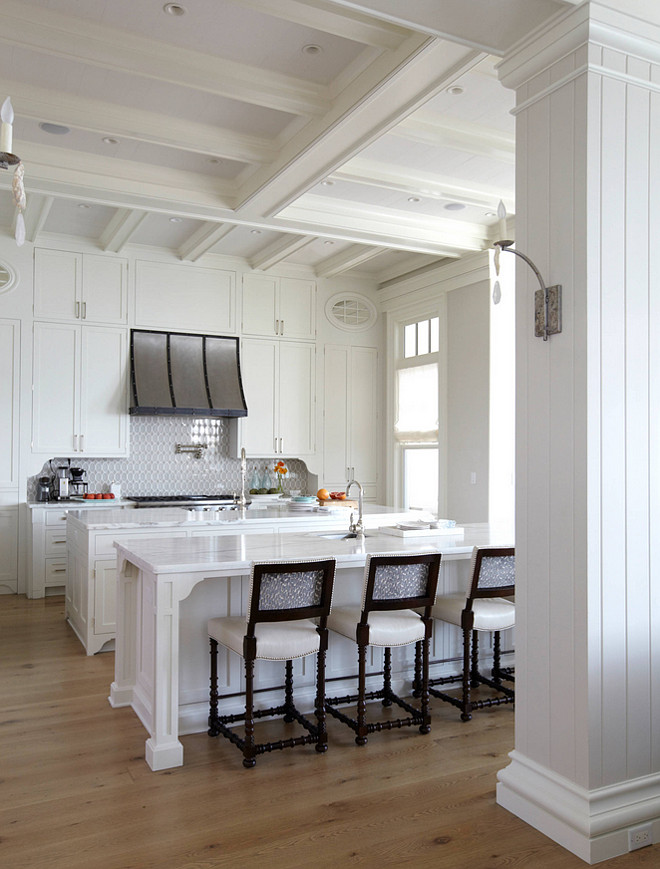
80,390
190,298
350,417
278,381
78,286
8,542
281,307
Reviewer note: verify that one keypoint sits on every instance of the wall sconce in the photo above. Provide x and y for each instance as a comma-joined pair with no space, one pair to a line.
547,300
8,159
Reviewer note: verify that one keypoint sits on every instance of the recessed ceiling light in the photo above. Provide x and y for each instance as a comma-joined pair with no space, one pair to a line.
328,242
454,206
455,90
174,9
175,220
54,129
414,199
84,205
311,49
215,160
255,232
327,183
491,214
108,140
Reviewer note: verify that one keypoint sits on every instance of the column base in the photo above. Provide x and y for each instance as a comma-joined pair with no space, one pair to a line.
593,824
163,756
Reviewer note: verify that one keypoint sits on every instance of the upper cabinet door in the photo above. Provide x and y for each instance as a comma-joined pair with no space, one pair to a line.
190,298
105,289
297,312
57,284
259,372
279,307
103,428
260,305
56,373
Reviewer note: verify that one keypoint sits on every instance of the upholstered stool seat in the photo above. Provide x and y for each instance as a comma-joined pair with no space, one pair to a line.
490,614
281,641
487,607
288,606
393,586
398,628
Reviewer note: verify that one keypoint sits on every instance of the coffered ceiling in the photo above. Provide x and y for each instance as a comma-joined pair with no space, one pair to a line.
372,138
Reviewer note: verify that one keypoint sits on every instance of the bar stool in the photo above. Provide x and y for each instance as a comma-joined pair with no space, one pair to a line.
284,598
485,608
393,586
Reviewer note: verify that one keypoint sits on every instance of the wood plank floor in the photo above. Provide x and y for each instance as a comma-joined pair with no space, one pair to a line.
75,790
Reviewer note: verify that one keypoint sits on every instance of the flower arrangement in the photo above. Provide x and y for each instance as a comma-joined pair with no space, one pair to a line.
280,469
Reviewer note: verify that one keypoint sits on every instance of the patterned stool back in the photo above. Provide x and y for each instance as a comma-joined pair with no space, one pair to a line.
394,582
494,572
286,591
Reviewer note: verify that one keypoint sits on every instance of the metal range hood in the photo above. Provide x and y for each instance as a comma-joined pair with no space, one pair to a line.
190,375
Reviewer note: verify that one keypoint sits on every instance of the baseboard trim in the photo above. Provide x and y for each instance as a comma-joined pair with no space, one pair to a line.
592,824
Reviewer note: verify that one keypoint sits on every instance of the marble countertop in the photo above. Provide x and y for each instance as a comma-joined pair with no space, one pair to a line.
155,517
233,554
75,504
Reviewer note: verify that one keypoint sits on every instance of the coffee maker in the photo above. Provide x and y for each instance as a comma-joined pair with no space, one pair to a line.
44,489
78,483
62,481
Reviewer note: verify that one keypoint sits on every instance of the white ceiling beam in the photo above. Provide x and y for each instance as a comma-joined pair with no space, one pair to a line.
41,104
409,266
472,138
203,239
279,250
36,213
491,25
346,260
324,17
392,87
42,30
429,185
120,228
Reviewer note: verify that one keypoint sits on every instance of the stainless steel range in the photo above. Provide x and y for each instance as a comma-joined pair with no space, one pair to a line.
223,502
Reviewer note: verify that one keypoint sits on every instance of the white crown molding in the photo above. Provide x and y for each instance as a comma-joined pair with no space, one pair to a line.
434,279
47,32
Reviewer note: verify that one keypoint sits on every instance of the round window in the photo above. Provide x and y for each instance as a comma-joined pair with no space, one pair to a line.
7,277
351,312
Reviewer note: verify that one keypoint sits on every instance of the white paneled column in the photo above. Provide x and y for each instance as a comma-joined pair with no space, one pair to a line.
586,764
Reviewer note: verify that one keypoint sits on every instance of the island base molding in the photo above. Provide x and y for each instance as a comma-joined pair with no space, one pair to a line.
592,824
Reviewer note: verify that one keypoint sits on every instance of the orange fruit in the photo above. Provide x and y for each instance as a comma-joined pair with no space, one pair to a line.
323,494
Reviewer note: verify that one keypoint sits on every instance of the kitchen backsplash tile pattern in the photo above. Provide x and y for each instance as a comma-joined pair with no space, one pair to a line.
153,467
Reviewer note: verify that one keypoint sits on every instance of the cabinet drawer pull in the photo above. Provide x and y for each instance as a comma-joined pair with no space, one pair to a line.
277,327
281,327
281,445
84,310
59,570
275,445
75,443
82,443
77,310
55,540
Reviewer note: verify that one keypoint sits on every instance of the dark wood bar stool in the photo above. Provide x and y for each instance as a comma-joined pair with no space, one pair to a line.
284,599
485,608
394,585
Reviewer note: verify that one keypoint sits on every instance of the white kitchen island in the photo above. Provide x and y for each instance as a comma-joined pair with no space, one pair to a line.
91,576
168,589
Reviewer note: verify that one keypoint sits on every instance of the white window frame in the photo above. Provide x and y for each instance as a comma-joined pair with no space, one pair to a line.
396,322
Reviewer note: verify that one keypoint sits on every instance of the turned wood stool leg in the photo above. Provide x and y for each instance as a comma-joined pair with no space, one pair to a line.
213,693
425,726
288,692
466,713
322,741
361,738
387,677
249,759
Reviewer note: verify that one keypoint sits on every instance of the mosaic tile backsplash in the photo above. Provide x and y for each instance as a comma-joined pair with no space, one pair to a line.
153,468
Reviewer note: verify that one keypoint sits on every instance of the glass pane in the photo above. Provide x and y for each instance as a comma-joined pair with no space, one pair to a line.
410,340
422,337
420,479
435,334
417,404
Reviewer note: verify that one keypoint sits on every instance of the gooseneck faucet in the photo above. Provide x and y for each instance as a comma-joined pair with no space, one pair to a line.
356,528
242,500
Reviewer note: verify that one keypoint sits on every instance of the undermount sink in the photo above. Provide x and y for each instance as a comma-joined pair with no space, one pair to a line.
340,535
